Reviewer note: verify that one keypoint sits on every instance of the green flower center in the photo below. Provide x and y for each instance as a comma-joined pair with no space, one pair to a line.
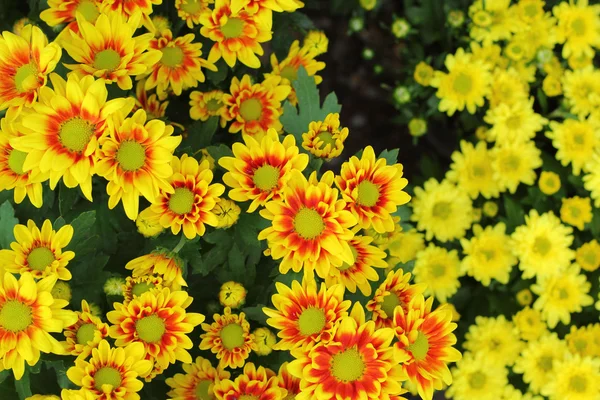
131,155
578,26
39,258
420,347
580,345
26,78
542,245
308,224
107,59
202,390
233,28
531,10
478,171
85,333
191,6
441,209
345,265
512,162
545,363
327,139
290,73
575,212
266,178
311,321
172,56
563,294
15,316
513,122
488,254
141,287
389,304
75,134
463,84
88,9
477,380
150,329
16,159
347,366
182,201
107,376
438,270
590,258
251,109
368,194
232,336
578,383
213,105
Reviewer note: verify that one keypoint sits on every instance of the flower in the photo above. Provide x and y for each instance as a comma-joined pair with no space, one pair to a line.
28,316
325,139
529,323
456,18
417,127
477,377
561,294
576,211
471,169
161,23
288,382
128,8
401,95
551,86
465,85
438,270
368,4
400,28
264,340
506,87
111,373
487,255
581,341
490,209
581,89
39,251
542,245
549,182
260,168
108,50
306,313
316,41
134,287
191,10
148,224
61,291
164,263
64,12
204,105
113,286
515,122
254,383
158,320
514,163
423,74
229,338
591,181
406,245
237,33
198,382
524,297
232,294
85,334
578,378
151,104
578,26
575,141
25,62
179,66
588,256
496,338
492,21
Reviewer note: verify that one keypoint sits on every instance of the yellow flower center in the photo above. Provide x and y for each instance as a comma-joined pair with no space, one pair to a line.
563,294
16,159
39,258
131,155
266,178
141,287
420,347
327,139
578,26
233,28
88,9
308,223
26,78
441,209
289,72
389,304
368,194
345,265
251,110
107,376
579,139
512,162
575,212
463,84
513,122
181,201
482,18
589,258
15,316
530,10
75,134
232,336
478,170
488,254
191,6
150,329
542,245
85,333
172,56
202,390
213,105
248,397
477,380
545,363
578,383
438,270
580,345
107,59
311,321
347,366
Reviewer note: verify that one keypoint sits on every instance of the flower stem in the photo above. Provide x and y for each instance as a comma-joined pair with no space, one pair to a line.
180,245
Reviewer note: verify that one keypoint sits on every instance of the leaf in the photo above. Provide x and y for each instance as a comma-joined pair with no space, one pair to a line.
4,374
23,385
7,224
61,373
237,263
201,133
58,223
84,237
66,199
514,213
220,74
256,313
219,151
391,156
210,260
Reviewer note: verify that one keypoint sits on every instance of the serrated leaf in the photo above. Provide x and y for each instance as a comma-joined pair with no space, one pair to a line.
237,263
219,151
256,313
61,373
391,156
220,74
7,224
201,133
84,237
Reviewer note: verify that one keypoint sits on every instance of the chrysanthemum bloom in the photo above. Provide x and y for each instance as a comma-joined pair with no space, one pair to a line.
135,158
65,11
19,24
497,338
151,104
581,341
358,363
197,382
591,180
325,139
442,210
514,123
306,314
113,286
232,294
260,168
108,50
85,334
576,378
160,322
514,163
227,212
266,7
130,8
438,270
229,338
237,33
549,182
423,74
191,203
25,62
542,245
288,382
561,294
508,88
476,377
66,126
310,227
492,21
148,224
28,316
406,245
255,108
317,41
576,211
254,383
465,85
576,141
39,251
394,291
471,170
191,10
264,340
581,89
62,291
488,254
524,297
578,28
529,323
204,105
588,256
135,287
111,373
426,338
551,86
161,262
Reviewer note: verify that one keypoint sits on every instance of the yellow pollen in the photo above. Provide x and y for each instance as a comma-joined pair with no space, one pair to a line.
140,288
107,59
441,210
347,366
578,26
327,139
107,376
420,347
251,109
389,304
85,333
88,9
345,265
308,224
172,56
40,258
463,84
131,155
150,329
288,72
542,245
368,194
26,78
438,270
191,6
578,383
233,28
477,380
15,316
16,159
232,336
266,178
213,105
75,134
545,363
311,321
182,201
202,392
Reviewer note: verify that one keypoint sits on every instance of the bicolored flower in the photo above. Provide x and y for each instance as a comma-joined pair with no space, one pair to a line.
191,10
288,382
254,383
135,287
151,103
266,7
204,105
85,334
160,262
61,12
325,139
198,382
129,8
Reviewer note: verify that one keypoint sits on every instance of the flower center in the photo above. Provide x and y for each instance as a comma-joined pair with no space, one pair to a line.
531,10
578,383
15,316
26,78
420,347
578,26
266,178
141,287
213,105
150,329
107,376
85,333
368,194
482,18
327,139
477,380
589,258
579,139
88,9
513,122
16,159
347,366
202,390
545,363
248,397
39,258
107,59
61,291
563,294
463,83
542,245
575,212
191,6
75,134
488,254
580,345
438,270
172,56
308,223
311,321
233,28
181,201
345,265
289,72
232,336
441,209
131,155
251,109
389,304
512,163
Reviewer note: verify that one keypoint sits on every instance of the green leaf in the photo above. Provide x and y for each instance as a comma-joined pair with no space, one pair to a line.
210,260
391,156
66,199
220,74
4,374
514,213
256,313
23,385
7,224
237,263
201,133
58,223
219,151
61,373
84,239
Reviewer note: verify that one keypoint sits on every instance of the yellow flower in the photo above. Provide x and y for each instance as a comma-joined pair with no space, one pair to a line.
129,9
514,163
552,86
588,256
438,269
163,263
227,212
368,4
477,377
204,105
576,211
581,61
64,12
471,170
264,340
135,287
325,139
148,224
232,294
114,286
288,67
507,87
581,340
160,24
576,377
514,123
151,104
591,181
491,54
423,74
253,383
524,297
191,10
456,18
493,20
575,141
529,323
198,381
496,338
578,27
316,41
62,291
417,127
490,209
582,90
85,334
549,182
406,245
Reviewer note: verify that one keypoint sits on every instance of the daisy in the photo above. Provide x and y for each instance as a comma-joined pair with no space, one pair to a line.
198,382
191,10
581,341
576,142
86,334
438,270
506,87
578,378
576,211
588,256
471,170
325,139
161,262
130,8
581,89
578,28
497,338
135,287
514,123
514,163
492,20
266,7
254,383
204,105
529,323
288,382
476,377
549,182
61,12
150,103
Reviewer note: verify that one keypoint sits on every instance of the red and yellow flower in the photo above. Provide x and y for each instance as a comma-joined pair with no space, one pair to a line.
198,381
229,338
204,105
372,190
191,10
306,314
86,334
260,169
227,212
255,383
134,287
288,382
155,108
266,7
325,139
161,262
130,8
310,227
65,12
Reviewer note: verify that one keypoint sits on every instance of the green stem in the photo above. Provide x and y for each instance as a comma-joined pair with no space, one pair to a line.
180,245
